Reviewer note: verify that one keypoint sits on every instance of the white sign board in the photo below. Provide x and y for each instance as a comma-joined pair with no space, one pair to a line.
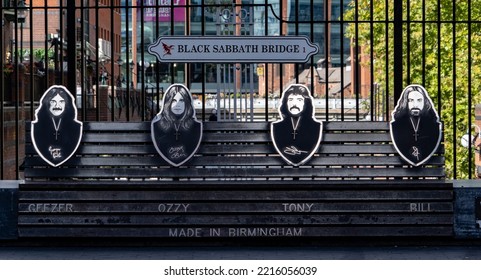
241,49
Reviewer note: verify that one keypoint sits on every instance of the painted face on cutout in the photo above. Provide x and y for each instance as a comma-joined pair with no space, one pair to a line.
178,104
295,104
415,103
57,105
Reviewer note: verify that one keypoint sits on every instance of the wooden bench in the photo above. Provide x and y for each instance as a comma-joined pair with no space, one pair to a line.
236,185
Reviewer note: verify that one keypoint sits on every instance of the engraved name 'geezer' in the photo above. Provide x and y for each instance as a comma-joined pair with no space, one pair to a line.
238,49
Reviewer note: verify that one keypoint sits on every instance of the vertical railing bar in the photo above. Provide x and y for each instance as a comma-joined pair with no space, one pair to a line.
385,98
408,42
16,99
172,32
251,66
424,43
398,49
203,68
113,80
314,83
357,64
31,57
341,28
157,61
326,54
266,66
2,107
142,67
470,151
188,66
61,39
71,48
455,175
84,90
130,76
281,66
46,55
371,58
98,61
439,57
296,32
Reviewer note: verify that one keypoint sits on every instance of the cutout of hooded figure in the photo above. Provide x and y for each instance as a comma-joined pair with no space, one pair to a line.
56,133
297,135
175,131
415,127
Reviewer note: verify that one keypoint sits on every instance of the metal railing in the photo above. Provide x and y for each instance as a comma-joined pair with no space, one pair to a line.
97,49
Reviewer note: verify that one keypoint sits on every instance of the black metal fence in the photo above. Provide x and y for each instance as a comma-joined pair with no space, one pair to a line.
369,51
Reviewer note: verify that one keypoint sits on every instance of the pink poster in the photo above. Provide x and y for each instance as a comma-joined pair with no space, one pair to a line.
161,10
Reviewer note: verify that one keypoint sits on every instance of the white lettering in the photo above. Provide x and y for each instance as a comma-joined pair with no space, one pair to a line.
185,232
420,207
297,207
55,152
50,207
173,207
177,152
249,232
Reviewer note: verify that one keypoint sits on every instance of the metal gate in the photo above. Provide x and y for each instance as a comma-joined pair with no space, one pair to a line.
369,51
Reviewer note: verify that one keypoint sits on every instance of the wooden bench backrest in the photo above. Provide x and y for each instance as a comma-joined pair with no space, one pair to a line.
114,151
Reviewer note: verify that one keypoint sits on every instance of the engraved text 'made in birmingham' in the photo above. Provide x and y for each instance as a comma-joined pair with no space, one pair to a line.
235,232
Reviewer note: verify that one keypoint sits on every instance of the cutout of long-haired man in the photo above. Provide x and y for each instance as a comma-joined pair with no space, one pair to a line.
415,127
175,131
56,133
297,135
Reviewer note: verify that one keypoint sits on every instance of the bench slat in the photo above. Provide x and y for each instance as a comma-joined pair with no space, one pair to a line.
226,173
239,160
239,195
234,220
109,207
262,232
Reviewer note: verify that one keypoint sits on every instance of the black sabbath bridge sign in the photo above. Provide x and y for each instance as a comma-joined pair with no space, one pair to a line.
237,49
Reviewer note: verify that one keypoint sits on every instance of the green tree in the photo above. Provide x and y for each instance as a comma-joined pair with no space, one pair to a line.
441,51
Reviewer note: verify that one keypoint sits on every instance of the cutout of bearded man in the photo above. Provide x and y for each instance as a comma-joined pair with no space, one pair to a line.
415,127
175,131
297,135
56,133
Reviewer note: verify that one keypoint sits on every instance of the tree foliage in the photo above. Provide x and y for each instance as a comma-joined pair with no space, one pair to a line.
441,51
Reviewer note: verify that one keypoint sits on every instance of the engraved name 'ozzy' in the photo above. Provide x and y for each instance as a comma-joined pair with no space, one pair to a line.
173,207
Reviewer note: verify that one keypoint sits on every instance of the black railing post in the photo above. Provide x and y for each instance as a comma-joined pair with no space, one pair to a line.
398,49
72,48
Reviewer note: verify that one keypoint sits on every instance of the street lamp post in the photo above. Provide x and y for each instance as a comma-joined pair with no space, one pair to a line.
132,65
21,16
119,62
144,65
324,72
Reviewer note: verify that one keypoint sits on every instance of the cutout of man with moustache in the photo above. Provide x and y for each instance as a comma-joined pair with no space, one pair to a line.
297,135
56,133
415,127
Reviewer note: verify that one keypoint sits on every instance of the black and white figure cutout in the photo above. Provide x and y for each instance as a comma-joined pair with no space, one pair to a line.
298,134
176,133
415,127
56,132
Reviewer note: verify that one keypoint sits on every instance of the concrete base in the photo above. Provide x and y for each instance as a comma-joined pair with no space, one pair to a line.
8,209
467,215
